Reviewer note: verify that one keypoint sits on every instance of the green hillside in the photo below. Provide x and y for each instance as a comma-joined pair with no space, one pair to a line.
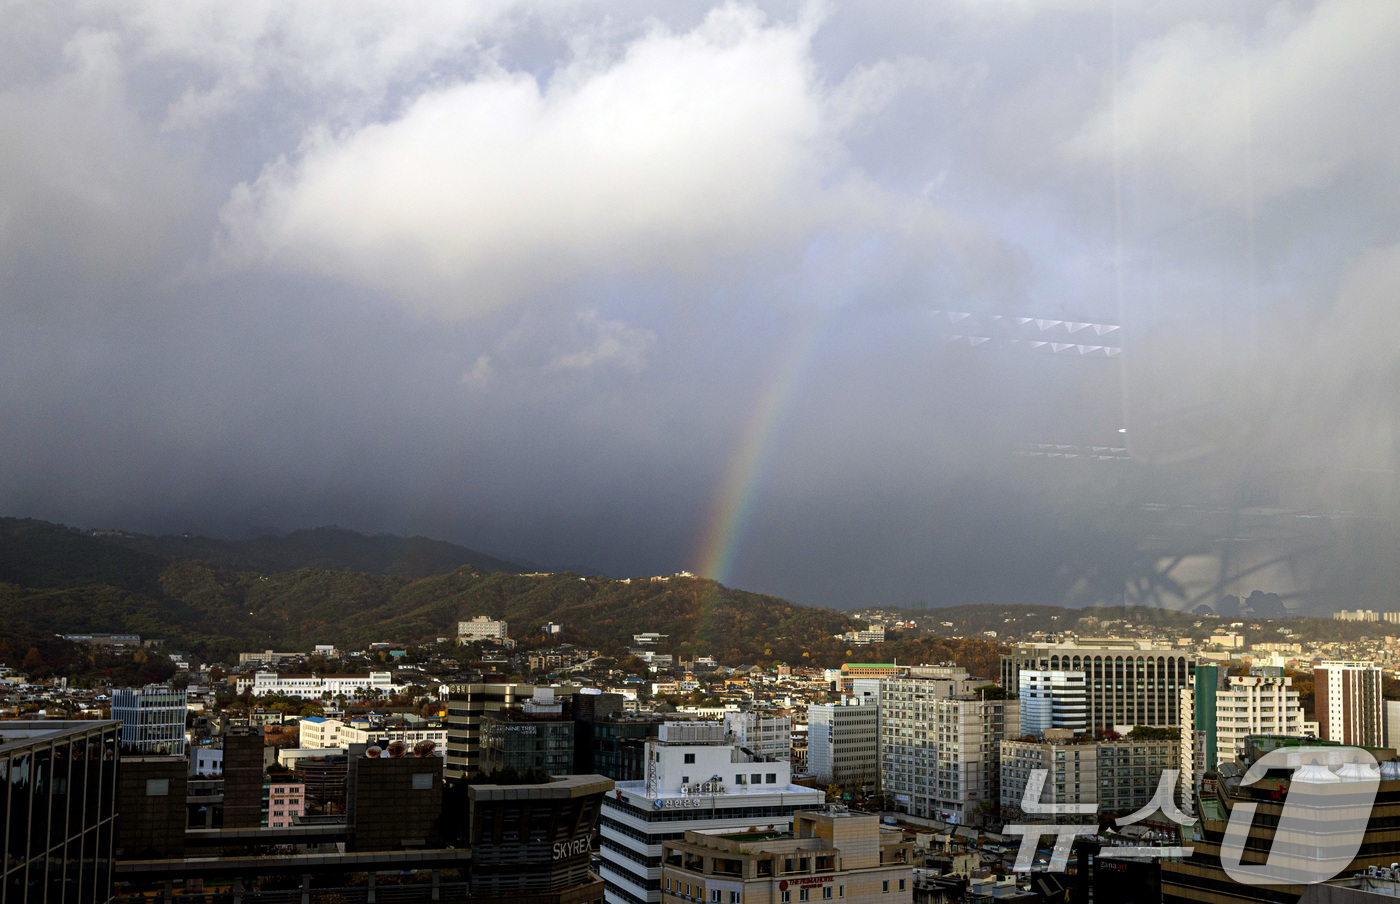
330,548
55,580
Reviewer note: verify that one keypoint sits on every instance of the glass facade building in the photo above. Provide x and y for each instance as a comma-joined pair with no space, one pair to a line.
58,783
152,717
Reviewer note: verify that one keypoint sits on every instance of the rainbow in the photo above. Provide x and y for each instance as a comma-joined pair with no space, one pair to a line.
724,531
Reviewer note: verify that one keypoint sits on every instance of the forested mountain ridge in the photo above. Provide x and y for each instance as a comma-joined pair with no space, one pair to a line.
55,580
329,548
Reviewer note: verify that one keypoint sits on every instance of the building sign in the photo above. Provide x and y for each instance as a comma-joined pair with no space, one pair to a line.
580,845
676,803
804,882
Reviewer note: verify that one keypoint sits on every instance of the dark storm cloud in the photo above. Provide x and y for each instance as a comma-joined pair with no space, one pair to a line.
518,276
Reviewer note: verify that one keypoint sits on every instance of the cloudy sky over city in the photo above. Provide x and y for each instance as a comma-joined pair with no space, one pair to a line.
945,302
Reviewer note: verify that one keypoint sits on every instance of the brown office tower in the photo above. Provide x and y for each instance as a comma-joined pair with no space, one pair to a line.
530,843
393,800
151,807
243,777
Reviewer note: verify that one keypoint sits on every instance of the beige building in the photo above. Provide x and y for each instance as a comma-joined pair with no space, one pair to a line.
830,855
1116,776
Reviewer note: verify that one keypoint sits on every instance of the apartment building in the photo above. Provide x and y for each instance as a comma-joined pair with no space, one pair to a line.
940,756
1348,702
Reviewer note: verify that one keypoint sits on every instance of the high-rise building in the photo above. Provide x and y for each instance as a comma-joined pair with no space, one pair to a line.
1052,700
407,787
244,766
1254,705
1128,682
843,743
59,783
152,717
830,855
534,736
1198,727
467,707
760,734
694,780
551,866
1116,775
940,756
1348,702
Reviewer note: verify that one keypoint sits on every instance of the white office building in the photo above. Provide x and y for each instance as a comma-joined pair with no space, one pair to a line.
759,734
315,687
1254,704
843,742
694,781
940,757
1052,700
482,627
152,717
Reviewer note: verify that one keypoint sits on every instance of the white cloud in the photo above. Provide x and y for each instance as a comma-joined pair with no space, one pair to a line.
606,342
84,186
1298,102
686,149
342,55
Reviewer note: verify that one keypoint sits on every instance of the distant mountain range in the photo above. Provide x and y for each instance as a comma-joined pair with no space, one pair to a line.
328,548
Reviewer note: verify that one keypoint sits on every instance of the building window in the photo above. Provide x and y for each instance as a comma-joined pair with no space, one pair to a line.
901,885
787,896
841,892
734,897
422,781
689,758
886,888
802,894
714,895
772,778
826,892
157,787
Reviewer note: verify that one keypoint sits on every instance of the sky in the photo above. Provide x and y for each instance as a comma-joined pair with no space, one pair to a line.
934,303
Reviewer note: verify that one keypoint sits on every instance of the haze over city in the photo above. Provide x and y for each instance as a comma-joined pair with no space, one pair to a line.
876,304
